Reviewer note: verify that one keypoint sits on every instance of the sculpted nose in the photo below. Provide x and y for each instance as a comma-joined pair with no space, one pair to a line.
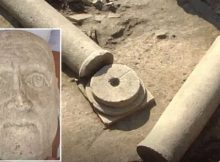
21,102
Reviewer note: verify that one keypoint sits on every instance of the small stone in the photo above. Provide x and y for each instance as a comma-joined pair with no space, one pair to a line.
110,6
79,17
99,18
93,35
98,4
173,36
113,15
96,1
161,34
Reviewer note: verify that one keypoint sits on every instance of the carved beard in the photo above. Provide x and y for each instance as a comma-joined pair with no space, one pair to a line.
20,132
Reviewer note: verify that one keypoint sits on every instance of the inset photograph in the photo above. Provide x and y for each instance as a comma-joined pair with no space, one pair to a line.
29,94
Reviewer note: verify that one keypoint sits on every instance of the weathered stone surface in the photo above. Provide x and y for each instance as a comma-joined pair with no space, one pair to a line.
99,18
29,97
115,85
116,92
146,104
113,15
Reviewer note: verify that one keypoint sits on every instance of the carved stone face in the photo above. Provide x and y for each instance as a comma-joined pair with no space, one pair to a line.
29,99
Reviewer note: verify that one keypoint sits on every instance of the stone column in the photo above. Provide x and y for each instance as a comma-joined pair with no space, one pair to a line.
80,53
187,113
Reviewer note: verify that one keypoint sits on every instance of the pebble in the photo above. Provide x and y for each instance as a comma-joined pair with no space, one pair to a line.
161,34
80,17
99,18
113,15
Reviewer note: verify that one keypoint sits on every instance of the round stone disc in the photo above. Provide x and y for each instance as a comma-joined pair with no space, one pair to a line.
115,85
113,111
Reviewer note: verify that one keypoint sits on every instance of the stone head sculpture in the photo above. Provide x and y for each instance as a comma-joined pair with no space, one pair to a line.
29,97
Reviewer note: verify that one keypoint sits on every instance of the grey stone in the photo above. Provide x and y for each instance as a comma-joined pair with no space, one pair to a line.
98,4
115,92
29,97
188,112
99,18
80,17
120,83
161,34
113,15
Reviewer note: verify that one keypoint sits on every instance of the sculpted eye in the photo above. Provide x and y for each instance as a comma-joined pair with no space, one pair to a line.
37,80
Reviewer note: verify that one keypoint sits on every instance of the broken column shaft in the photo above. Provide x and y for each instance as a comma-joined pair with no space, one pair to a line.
80,53
188,112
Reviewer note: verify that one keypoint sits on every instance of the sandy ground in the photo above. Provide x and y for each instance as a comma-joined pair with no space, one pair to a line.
162,64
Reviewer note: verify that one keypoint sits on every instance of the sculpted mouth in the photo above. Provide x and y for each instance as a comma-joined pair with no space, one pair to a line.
21,139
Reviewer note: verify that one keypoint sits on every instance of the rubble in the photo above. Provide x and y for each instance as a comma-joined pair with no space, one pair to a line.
80,17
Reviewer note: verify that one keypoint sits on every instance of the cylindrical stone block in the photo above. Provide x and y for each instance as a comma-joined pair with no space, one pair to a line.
80,53
116,90
187,113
